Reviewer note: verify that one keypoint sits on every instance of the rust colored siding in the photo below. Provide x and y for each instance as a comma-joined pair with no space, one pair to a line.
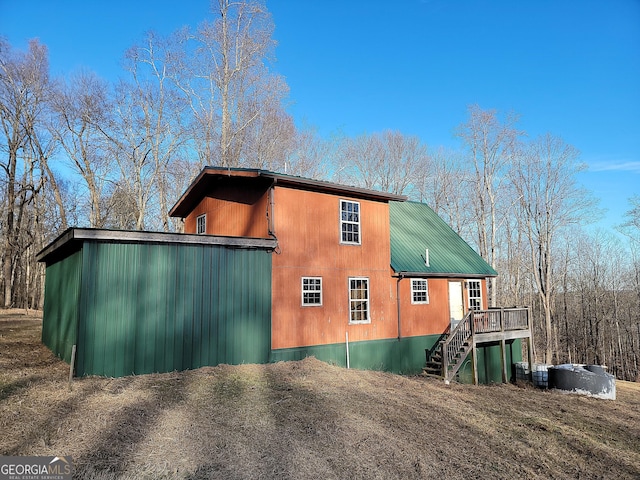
235,210
432,318
425,319
308,231
485,297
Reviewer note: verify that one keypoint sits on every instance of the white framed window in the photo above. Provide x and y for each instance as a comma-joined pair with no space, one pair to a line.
474,292
359,300
419,291
201,224
311,291
349,222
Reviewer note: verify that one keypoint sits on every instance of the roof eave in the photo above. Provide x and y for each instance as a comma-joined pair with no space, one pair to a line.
74,235
443,274
333,187
182,207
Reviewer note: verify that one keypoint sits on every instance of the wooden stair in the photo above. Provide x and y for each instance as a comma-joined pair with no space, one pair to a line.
448,354
445,361
433,367
434,364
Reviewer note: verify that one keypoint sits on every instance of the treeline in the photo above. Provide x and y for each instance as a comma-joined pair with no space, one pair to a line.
79,151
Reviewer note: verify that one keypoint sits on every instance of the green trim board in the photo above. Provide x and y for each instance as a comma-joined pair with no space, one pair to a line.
406,356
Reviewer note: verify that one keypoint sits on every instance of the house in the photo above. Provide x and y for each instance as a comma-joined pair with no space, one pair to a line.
277,267
356,266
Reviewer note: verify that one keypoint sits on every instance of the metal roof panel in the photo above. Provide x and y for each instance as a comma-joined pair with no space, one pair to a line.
415,227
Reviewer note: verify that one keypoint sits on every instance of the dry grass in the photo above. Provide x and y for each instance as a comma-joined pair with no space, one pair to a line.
303,420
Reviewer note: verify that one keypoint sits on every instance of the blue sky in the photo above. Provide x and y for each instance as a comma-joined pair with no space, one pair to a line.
569,67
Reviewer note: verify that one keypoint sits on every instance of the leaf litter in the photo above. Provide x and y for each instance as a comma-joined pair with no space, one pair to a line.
304,419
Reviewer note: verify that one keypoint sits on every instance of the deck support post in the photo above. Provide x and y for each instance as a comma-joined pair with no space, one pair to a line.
503,353
530,355
474,361
503,348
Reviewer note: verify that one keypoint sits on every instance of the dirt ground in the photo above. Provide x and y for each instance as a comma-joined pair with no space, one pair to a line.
303,420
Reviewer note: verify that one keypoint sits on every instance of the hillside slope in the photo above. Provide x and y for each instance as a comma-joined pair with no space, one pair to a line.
303,420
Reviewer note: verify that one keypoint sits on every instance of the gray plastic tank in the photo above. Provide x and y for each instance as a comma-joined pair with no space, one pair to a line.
584,379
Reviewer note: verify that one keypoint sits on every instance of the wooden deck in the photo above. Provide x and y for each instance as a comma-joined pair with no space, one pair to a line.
485,326
500,324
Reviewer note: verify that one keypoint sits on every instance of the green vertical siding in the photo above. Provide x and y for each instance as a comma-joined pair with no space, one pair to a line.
61,306
162,307
490,363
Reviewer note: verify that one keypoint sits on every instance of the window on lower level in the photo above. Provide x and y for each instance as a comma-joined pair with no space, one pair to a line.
311,291
201,224
359,300
474,292
419,291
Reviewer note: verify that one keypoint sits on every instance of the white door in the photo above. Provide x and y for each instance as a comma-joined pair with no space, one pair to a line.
456,308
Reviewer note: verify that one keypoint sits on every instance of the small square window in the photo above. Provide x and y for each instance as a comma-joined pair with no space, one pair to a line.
201,224
419,291
311,291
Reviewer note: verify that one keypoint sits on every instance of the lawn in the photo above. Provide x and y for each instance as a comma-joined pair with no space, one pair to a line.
303,419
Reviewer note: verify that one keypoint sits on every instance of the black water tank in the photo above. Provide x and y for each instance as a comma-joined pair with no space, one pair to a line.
584,379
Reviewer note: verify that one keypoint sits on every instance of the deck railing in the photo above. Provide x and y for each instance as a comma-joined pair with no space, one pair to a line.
500,319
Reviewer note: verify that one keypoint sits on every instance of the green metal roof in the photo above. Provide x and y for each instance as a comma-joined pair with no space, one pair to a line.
415,227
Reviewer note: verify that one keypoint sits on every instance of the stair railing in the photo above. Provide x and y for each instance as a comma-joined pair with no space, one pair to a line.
455,344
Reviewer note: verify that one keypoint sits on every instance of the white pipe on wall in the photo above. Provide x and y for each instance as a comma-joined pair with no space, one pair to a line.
347,337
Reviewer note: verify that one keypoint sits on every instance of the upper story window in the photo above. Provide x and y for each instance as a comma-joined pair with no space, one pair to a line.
311,291
474,292
419,291
201,224
349,222
359,300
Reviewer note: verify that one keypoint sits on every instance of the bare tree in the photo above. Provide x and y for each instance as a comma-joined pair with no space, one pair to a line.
270,139
596,305
631,226
24,78
222,68
549,201
312,155
146,134
358,158
491,145
387,161
159,129
129,148
81,108
443,185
